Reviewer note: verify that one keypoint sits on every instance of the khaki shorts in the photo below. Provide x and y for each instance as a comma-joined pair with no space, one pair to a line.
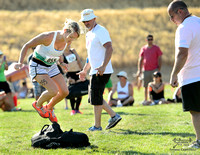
148,77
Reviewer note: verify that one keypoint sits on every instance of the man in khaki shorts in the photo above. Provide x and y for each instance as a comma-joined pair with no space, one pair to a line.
149,61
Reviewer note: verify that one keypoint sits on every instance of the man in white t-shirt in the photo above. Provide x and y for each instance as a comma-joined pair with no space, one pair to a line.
99,49
186,70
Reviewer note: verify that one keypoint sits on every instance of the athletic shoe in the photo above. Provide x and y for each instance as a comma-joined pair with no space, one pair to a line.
195,145
73,112
144,102
16,109
78,112
41,111
113,121
119,103
93,128
52,116
152,103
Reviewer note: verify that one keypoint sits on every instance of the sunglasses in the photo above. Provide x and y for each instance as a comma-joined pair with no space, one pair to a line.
86,21
149,39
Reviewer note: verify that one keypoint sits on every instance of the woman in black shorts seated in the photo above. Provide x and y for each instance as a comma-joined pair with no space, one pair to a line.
156,90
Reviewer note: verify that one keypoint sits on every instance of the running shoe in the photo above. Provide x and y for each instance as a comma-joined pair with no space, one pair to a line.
113,121
73,112
52,116
195,145
41,111
94,128
16,109
78,112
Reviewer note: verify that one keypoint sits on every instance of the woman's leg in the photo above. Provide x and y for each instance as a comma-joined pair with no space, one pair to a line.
72,102
78,102
61,91
51,89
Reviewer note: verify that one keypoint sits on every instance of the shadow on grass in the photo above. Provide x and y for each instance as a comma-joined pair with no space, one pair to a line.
129,132
120,113
130,152
19,111
126,113
94,147
27,110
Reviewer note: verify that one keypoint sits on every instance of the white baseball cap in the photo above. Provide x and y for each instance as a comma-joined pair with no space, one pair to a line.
1,52
87,15
122,73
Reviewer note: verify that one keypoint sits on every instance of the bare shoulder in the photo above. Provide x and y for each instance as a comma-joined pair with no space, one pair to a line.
73,50
115,86
130,84
47,36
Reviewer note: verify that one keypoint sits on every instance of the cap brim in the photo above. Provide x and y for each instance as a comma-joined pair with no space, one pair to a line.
122,76
87,19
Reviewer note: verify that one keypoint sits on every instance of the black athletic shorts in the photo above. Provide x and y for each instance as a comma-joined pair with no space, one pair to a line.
96,88
191,97
4,86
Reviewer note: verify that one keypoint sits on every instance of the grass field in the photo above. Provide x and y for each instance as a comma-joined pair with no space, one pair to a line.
161,129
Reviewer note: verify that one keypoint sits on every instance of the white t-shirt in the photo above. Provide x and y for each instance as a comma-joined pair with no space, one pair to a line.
123,92
95,39
188,36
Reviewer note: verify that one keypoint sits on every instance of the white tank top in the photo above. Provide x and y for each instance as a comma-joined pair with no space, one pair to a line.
48,54
122,91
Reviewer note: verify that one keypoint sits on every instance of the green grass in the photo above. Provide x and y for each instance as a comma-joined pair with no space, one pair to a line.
143,129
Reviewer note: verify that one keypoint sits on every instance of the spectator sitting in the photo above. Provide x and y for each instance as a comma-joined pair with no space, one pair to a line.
4,86
124,90
156,90
5,104
177,97
23,90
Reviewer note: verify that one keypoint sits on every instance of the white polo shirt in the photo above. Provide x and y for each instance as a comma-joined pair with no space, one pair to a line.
95,39
188,36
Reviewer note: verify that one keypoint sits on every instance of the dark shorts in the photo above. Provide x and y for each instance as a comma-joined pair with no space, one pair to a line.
5,87
96,88
191,97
